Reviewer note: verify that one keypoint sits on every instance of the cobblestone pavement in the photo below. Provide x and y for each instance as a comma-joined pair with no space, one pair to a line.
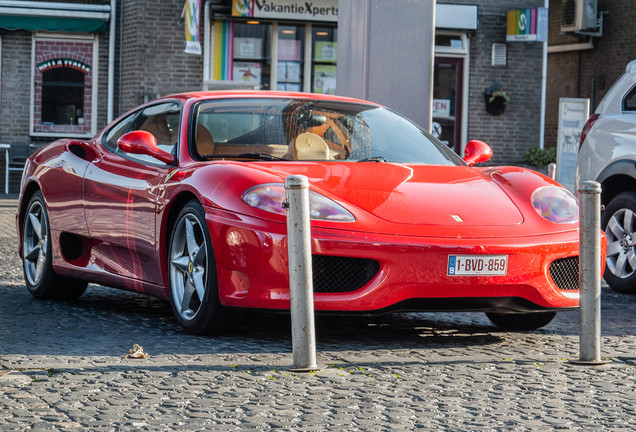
63,368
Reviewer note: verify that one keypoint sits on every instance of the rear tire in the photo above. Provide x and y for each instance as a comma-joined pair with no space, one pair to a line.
619,224
521,321
37,258
194,293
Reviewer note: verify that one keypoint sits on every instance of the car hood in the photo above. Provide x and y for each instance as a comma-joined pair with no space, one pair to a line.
414,194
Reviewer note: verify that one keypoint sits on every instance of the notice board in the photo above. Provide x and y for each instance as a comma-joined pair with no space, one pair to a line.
573,113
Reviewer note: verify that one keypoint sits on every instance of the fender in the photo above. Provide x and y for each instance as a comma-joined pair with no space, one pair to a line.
620,167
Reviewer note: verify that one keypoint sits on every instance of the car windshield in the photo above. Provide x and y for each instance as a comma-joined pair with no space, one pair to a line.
321,130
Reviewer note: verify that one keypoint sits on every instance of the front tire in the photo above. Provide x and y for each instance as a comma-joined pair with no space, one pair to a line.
194,291
521,321
619,224
37,260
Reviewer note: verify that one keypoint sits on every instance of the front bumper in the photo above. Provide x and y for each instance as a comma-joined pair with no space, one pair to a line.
252,269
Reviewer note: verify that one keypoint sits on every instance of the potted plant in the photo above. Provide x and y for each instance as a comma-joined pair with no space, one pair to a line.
496,97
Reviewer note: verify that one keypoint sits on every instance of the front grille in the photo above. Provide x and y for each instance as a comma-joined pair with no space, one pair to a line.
565,273
333,274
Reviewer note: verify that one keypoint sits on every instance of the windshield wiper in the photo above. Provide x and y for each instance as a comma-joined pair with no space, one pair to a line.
375,159
260,156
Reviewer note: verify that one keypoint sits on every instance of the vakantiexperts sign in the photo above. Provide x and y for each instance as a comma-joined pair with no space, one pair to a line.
307,10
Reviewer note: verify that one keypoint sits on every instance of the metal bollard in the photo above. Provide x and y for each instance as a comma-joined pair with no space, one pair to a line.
590,274
301,291
552,170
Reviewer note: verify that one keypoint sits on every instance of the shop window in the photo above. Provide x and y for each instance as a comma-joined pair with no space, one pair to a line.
324,58
449,41
251,56
304,60
63,91
62,96
291,52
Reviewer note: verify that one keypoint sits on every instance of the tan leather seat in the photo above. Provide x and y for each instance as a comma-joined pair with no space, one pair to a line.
157,126
204,141
309,146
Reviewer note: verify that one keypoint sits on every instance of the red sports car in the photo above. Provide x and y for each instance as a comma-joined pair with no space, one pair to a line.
182,199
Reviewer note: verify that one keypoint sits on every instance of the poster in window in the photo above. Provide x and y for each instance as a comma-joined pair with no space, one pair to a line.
289,49
281,69
248,48
247,72
325,79
292,87
293,71
326,52
573,114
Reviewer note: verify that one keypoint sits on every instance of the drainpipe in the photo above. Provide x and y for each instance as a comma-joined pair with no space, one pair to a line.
544,79
111,62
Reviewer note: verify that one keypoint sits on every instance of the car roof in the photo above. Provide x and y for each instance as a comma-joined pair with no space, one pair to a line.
224,94
612,101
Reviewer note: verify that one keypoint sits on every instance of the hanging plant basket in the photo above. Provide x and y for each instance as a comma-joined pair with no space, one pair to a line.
496,98
496,106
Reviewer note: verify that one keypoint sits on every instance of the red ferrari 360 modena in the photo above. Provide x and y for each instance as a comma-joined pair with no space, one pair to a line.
182,198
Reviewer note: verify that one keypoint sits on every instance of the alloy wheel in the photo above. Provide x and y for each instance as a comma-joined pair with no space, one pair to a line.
188,266
35,243
621,259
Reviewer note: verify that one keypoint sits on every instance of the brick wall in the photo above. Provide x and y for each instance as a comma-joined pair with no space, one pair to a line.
15,89
512,133
154,62
588,73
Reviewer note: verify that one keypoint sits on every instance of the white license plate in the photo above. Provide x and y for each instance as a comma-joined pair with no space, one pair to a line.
477,265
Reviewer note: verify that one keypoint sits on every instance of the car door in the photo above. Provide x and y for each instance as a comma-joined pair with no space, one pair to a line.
123,193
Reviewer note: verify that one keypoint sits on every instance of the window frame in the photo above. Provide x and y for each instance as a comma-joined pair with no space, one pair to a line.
94,83
631,91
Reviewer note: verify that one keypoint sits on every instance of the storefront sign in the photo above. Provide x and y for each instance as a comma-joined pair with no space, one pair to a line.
527,25
306,10
453,16
63,63
573,114
441,107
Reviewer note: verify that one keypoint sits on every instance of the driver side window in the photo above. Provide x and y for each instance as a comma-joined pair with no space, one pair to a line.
161,120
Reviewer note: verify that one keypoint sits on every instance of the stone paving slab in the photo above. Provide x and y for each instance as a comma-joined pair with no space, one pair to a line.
7,218
62,367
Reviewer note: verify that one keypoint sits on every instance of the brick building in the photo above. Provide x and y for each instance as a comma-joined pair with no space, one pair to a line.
121,54
585,66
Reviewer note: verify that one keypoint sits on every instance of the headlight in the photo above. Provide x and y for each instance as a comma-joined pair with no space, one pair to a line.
270,197
556,204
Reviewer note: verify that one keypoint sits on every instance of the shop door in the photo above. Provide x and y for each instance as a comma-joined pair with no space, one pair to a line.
447,101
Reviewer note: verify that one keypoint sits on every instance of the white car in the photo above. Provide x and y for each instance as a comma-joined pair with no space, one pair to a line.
607,154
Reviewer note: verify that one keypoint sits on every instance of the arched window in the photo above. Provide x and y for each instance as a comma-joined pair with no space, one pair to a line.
62,96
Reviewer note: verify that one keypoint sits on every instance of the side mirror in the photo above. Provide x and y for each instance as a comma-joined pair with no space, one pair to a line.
143,143
477,151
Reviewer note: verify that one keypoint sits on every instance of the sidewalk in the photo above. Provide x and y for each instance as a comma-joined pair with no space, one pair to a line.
62,367
8,206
